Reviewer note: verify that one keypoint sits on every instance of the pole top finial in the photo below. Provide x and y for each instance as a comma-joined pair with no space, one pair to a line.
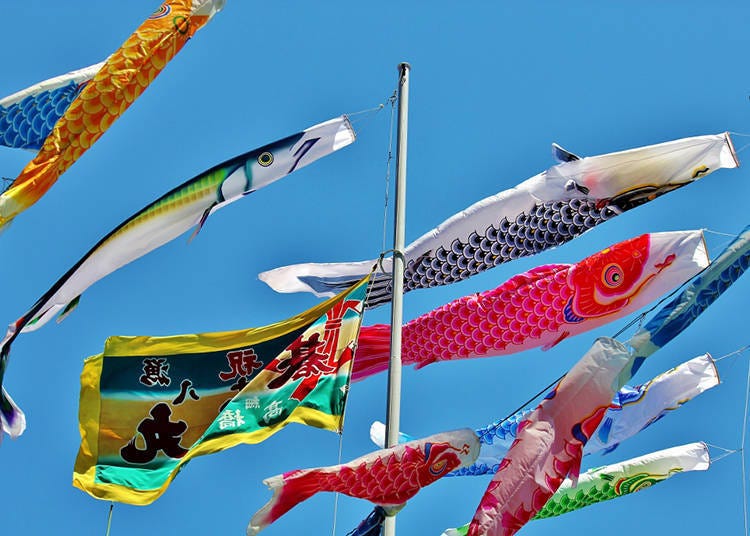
404,65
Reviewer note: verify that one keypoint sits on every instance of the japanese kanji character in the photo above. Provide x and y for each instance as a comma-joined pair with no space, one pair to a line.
159,433
242,363
155,371
304,362
230,419
273,410
186,388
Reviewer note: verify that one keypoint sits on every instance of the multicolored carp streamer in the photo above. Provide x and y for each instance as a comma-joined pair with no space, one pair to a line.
28,116
121,80
543,306
612,481
550,442
694,299
151,404
635,408
632,409
167,218
388,477
544,211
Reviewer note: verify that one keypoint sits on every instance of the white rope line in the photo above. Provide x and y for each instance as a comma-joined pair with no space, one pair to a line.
368,110
728,451
738,151
730,354
710,231
336,495
392,100
724,455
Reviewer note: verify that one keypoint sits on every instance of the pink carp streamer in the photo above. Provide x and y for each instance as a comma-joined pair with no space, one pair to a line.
387,477
550,442
543,306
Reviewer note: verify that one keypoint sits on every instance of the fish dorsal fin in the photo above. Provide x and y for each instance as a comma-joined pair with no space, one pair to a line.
72,304
201,222
561,155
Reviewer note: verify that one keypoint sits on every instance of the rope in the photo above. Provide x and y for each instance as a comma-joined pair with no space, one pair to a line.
392,99
336,495
731,235
529,401
343,416
742,448
722,456
738,151
109,518
730,354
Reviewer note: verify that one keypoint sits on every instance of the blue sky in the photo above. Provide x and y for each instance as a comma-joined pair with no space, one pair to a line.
493,84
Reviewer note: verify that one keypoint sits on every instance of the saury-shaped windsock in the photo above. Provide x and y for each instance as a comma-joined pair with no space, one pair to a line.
550,442
544,211
632,409
613,481
186,206
543,306
116,84
387,477
695,298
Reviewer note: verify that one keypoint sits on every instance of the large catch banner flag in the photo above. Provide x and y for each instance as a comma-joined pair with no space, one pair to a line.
542,212
150,404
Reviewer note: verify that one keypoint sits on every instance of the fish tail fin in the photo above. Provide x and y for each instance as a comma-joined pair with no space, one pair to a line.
68,309
373,351
12,419
289,489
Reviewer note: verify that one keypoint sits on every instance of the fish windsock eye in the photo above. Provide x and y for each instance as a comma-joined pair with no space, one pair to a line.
612,276
438,467
265,159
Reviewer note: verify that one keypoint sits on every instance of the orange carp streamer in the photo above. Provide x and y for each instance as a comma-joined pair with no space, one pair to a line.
119,82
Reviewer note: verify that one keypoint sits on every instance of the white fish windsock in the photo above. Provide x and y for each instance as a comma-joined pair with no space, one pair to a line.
542,212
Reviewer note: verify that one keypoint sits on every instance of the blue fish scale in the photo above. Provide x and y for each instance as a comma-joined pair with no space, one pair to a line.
26,124
705,297
546,225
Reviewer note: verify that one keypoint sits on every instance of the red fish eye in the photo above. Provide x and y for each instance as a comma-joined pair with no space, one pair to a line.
612,276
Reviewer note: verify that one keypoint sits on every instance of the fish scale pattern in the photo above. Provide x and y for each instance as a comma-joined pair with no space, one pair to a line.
504,430
26,124
566,503
710,288
119,82
491,321
546,225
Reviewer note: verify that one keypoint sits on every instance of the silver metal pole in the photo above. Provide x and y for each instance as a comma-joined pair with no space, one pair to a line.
394,365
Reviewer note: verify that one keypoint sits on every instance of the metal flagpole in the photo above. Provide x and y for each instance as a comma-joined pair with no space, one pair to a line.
394,365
